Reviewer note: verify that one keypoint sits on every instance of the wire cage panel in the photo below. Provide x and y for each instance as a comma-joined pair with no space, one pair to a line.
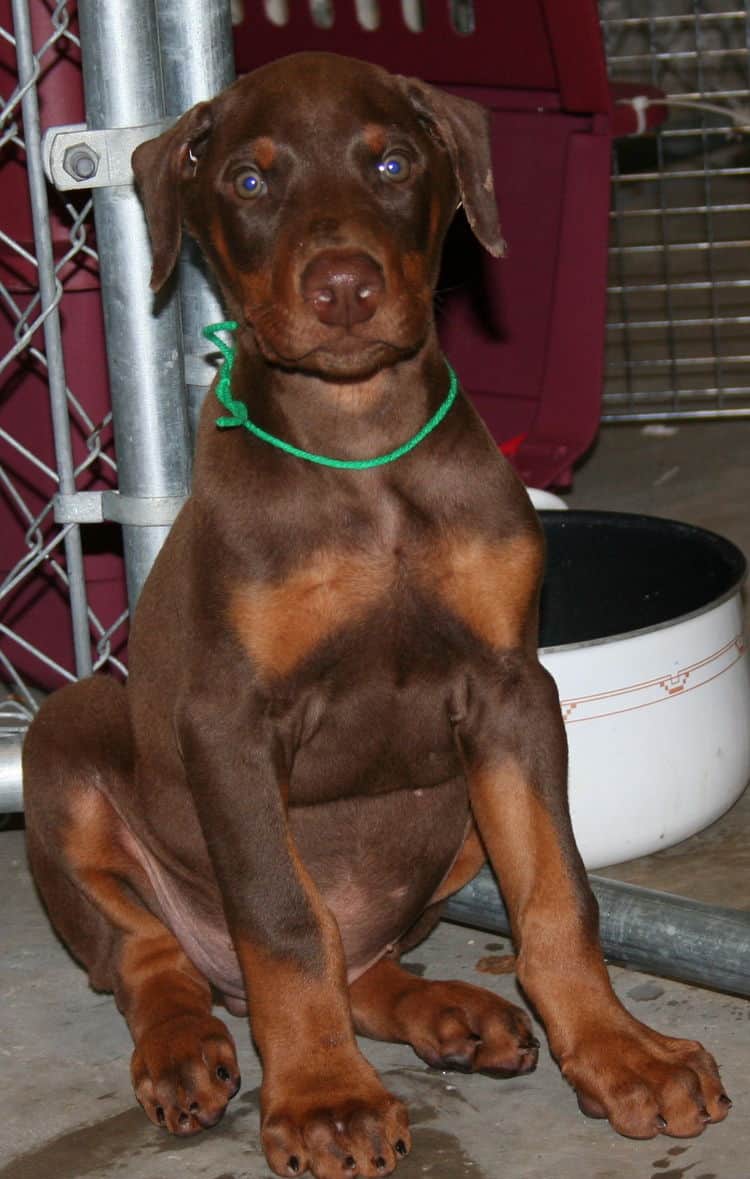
678,339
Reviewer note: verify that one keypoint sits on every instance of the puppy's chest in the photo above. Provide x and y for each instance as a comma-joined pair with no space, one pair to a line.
397,595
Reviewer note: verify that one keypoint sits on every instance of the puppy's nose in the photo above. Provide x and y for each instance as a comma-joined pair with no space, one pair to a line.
344,287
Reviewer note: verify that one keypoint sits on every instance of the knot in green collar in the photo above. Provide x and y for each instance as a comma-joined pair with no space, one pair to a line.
239,415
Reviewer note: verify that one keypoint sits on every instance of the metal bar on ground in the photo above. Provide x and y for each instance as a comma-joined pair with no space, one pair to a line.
11,743
656,932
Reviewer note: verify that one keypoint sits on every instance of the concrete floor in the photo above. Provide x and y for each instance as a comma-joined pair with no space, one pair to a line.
68,1110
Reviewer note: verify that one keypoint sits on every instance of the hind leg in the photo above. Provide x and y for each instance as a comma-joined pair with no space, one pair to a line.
450,1025
98,896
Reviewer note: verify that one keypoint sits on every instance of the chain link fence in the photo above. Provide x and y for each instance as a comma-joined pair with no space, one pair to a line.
36,649
64,583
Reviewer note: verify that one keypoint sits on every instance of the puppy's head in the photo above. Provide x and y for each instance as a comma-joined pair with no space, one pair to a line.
320,188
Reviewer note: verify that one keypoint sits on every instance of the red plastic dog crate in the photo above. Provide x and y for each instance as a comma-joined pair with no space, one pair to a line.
525,333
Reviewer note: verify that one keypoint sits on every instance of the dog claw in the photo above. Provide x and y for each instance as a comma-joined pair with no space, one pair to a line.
400,1147
661,1122
293,1164
725,1100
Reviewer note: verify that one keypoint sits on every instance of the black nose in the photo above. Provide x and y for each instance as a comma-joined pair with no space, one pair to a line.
344,287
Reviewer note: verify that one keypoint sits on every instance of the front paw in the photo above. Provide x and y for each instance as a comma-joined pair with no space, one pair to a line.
184,1072
337,1124
645,1083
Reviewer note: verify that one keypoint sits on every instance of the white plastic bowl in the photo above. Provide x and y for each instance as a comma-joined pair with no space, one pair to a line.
642,629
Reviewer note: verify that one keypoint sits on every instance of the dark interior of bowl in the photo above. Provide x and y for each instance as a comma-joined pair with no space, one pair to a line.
609,573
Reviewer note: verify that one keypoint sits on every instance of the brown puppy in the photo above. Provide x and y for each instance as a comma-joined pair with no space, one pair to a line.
335,705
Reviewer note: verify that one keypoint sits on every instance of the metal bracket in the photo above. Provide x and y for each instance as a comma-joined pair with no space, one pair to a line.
75,157
94,507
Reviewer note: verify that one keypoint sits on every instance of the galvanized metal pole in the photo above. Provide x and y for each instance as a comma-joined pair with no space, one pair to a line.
197,61
123,88
52,335
641,928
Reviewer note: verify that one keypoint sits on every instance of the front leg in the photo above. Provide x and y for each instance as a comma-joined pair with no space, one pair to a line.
516,760
322,1105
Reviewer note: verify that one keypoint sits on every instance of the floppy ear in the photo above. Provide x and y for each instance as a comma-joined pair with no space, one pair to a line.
463,127
162,166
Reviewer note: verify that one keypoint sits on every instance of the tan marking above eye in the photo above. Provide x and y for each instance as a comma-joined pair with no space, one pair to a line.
280,623
264,151
376,137
489,584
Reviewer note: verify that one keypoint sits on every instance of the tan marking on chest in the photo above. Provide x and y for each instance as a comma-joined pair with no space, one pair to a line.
281,623
491,585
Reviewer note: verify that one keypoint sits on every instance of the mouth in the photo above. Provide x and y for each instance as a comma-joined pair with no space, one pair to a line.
346,357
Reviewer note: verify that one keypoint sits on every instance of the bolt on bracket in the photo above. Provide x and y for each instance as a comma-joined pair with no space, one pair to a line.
75,157
94,507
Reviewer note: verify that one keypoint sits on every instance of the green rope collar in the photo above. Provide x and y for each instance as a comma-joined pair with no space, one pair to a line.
239,417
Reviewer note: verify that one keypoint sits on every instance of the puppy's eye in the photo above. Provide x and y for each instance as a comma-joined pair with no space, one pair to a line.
249,183
395,167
